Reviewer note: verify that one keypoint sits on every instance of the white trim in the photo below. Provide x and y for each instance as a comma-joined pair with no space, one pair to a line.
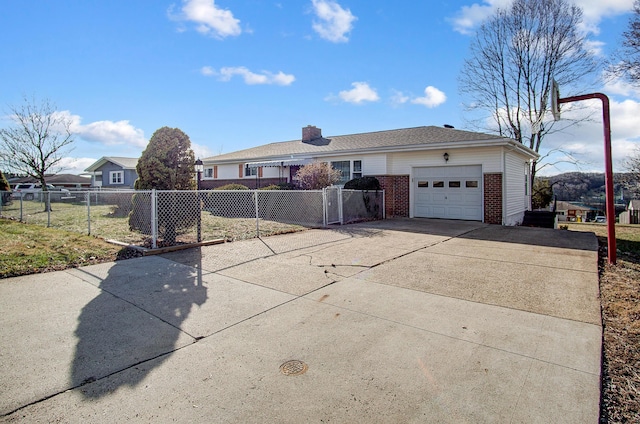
112,174
327,155
284,162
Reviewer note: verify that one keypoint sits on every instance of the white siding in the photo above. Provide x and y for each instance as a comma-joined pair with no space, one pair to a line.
274,172
374,164
489,158
228,172
516,201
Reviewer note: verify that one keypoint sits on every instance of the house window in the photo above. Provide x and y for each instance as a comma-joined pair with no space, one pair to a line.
454,184
344,167
250,171
208,173
357,169
471,184
348,170
438,184
116,177
423,184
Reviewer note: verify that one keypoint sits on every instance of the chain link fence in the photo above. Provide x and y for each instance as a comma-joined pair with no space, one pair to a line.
157,218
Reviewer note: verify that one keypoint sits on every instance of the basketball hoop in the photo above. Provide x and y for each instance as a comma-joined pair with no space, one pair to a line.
555,95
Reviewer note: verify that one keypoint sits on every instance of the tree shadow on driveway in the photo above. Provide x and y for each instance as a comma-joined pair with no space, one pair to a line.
136,317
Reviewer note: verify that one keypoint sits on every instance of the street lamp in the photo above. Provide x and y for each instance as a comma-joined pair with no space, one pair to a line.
199,168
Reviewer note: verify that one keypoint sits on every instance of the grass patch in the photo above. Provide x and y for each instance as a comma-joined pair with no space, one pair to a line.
620,303
28,249
111,222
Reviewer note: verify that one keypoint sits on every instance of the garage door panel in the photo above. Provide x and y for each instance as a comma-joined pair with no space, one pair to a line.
456,199
452,192
472,198
423,197
438,198
472,213
438,211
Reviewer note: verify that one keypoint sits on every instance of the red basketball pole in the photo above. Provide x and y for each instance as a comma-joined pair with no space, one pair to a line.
608,174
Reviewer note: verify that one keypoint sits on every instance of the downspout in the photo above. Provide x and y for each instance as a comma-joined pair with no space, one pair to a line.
504,185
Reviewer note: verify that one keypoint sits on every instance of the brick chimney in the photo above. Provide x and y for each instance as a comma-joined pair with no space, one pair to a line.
310,133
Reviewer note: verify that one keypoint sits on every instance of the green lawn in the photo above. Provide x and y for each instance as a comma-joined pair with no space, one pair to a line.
28,249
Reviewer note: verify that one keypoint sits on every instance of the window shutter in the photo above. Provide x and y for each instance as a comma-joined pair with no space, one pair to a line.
240,171
215,171
260,172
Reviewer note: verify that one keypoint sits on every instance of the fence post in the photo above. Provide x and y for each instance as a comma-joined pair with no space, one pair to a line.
48,206
21,207
384,208
154,219
340,203
324,207
255,200
87,198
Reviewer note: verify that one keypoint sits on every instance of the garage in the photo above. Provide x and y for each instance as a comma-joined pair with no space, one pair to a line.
451,192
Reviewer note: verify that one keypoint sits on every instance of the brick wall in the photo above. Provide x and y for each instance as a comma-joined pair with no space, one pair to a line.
396,194
493,198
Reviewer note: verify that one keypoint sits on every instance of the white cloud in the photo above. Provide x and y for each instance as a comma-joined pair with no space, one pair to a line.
207,71
432,98
587,139
251,78
209,19
201,151
69,165
398,98
468,18
360,93
595,10
594,47
109,133
621,87
334,21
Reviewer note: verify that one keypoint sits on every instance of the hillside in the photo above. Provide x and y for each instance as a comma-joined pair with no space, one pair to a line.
588,187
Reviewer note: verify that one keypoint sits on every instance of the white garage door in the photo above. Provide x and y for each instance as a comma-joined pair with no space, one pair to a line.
451,192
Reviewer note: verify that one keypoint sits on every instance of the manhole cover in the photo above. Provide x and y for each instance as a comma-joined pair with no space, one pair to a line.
293,367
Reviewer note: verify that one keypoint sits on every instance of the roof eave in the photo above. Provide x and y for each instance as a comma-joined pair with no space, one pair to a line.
496,142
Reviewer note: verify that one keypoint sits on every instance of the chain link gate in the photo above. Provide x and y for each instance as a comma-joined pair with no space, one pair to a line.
332,198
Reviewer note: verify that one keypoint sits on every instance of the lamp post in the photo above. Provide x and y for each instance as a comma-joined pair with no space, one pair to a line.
199,168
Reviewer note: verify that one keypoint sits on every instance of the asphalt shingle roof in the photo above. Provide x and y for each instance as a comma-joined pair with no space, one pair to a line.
126,163
357,142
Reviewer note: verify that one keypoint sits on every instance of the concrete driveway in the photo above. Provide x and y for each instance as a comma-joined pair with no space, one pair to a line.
391,321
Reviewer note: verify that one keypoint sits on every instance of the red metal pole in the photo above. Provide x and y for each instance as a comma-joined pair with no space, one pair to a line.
608,174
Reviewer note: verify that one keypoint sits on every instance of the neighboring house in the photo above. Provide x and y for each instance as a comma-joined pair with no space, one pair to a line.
632,214
113,172
58,180
431,172
568,211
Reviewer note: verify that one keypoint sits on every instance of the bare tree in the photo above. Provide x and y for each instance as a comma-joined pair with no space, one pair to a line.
631,180
628,57
36,142
514,57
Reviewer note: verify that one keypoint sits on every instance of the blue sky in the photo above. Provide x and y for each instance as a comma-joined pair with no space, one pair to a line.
237,74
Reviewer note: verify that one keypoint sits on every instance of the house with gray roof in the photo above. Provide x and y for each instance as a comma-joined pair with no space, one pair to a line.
113,172
429,171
